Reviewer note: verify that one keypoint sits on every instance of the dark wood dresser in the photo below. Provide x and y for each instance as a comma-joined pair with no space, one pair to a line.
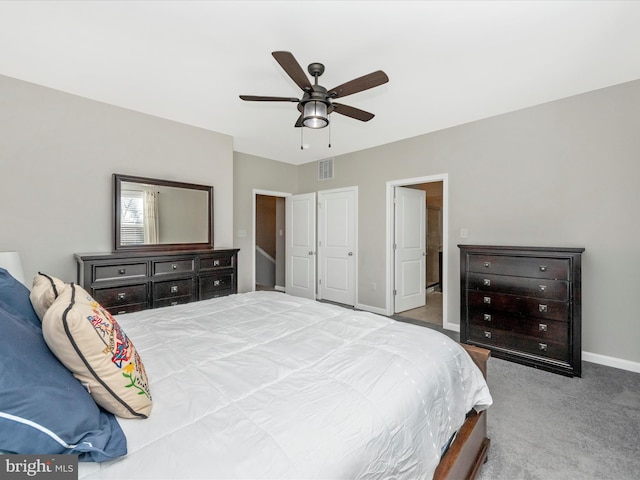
524,304
129,282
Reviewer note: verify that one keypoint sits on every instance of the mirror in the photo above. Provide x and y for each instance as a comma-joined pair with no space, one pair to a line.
151,214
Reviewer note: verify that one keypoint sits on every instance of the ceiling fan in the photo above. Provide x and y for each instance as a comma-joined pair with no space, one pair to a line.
317,102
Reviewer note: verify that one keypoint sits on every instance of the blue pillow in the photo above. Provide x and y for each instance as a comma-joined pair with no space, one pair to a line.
15,298
43,408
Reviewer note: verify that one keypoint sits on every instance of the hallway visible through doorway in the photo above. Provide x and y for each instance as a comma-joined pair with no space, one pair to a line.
269,235
429,313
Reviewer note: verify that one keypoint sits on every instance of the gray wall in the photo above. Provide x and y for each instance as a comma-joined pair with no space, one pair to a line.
560,174
57,155
254,173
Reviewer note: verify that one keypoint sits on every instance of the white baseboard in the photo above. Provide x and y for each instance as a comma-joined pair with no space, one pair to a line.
279,288
611,361
454,327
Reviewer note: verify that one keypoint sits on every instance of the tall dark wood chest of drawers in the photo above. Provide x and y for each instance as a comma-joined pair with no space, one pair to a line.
524,304
129,282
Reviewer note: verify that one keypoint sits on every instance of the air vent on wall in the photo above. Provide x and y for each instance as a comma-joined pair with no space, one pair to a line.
325,169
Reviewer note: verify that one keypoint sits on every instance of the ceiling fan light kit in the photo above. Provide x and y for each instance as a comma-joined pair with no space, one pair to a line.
316,103
315,115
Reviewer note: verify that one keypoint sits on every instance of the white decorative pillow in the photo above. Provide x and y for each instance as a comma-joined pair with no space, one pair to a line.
44,291
89,342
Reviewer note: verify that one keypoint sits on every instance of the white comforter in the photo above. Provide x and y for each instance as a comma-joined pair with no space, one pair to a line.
264,385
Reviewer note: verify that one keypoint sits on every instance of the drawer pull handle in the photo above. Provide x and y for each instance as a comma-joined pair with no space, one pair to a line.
487,334
486,282
487,317
487,264
216,283
216,263
487,300
122,271
174,266
542,347
174,289
543,268
542,327
542,308
122,296
174,304
542,288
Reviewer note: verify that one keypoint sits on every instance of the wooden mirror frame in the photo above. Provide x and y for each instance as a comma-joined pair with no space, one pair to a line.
117,189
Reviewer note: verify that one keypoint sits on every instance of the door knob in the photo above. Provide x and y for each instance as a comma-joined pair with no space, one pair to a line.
350,254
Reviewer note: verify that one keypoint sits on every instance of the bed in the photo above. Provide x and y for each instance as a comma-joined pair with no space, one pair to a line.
266,385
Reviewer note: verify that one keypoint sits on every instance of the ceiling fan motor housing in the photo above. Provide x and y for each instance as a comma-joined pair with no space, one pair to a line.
318,94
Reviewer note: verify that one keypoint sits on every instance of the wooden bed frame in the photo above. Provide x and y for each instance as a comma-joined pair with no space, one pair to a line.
469,449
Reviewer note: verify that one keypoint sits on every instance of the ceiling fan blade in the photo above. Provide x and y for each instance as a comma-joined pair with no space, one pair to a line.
359,84
352,112
292,68
256,98
299,122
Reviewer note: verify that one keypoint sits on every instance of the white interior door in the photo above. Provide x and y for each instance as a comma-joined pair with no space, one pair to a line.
410,249
301,245
337,227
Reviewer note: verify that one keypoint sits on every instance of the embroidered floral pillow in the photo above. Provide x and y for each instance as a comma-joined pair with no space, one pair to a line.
44,291
90,343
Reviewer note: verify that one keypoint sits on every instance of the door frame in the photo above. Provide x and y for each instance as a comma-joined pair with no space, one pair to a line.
320,231
390,257
257,192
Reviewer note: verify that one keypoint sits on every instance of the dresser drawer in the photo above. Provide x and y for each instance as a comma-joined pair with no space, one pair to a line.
506,340
543,329
488,302
215,262
123,295
536,267
173,288
117,271
212,286
168,302
173,266
529,287
122,309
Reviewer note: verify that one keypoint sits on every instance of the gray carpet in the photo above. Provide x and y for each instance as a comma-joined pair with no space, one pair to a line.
545,426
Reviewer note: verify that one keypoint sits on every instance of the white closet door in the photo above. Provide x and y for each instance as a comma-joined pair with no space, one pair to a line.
337,254
301,245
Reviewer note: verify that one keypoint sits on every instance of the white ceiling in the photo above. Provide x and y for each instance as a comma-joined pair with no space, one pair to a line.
448,62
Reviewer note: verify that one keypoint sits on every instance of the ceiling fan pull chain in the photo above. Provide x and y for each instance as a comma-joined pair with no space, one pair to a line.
329,134
301,138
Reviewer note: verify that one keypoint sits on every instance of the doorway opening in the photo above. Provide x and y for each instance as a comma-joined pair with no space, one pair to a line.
434,309
269,240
